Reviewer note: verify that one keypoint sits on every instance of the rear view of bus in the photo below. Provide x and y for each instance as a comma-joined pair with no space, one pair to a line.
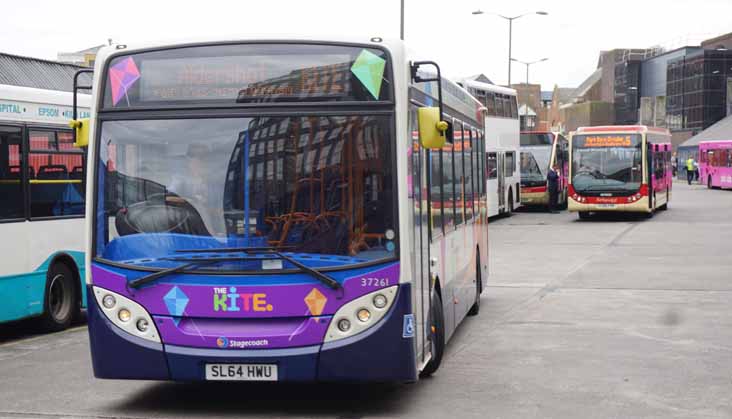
620,168
540,151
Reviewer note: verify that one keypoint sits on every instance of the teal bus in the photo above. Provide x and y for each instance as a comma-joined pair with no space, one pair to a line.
42,185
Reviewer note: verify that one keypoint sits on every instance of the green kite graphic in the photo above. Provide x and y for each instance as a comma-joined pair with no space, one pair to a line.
369,69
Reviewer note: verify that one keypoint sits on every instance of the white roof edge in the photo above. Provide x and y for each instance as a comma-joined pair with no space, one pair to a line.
123,48
489,87
35,95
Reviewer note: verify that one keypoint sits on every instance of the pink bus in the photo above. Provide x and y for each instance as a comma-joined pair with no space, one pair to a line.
715,164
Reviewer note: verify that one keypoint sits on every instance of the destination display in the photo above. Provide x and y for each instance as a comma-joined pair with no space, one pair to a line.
610,140
247,74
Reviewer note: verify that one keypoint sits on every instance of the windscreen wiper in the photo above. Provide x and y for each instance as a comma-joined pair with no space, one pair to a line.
272,250
137,282
325,279
235,249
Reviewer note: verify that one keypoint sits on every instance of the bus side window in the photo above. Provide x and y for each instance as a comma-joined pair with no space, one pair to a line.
491,165
11,189
436,202
514,107
499,104
59,169
468,172
474,161
507,106
458,185
490,103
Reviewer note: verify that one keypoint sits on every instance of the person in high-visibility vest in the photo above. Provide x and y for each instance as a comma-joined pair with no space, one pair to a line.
690,169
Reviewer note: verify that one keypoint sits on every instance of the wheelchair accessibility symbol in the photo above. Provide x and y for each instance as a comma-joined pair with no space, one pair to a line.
408,329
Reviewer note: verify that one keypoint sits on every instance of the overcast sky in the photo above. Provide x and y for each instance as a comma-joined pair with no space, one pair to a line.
571,36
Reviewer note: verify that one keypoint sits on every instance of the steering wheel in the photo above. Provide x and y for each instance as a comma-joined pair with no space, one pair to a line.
159,214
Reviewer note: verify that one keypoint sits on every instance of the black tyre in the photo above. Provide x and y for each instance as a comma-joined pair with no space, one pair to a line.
437,322
60,301
709,182
475,309
584,215
509,206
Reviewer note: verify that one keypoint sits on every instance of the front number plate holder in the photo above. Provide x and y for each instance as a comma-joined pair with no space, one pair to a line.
241,372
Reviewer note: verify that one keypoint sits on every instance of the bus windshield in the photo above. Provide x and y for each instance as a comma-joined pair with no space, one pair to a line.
534,165
607,162
536,138
306,184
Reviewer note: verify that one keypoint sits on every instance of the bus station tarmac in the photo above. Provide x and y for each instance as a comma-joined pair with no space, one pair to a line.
617,317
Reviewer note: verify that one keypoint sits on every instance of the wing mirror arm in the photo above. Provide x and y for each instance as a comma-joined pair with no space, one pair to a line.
80,126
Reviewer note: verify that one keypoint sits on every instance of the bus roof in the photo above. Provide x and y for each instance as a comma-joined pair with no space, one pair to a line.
540,132
487,87
376,41
641,129
716,144
41,96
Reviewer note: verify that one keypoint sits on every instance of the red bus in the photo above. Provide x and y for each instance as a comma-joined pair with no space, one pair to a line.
619,168
540,151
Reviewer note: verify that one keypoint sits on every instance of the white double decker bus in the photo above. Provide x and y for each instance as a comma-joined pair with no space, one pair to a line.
502,142
42,191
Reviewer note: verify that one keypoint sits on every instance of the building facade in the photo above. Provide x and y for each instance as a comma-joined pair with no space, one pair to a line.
697,86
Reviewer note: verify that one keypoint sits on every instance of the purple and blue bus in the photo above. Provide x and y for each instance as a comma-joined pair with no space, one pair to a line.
715,164
280,211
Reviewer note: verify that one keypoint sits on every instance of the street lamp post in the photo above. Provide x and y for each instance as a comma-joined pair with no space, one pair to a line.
510,20
528,64
401,23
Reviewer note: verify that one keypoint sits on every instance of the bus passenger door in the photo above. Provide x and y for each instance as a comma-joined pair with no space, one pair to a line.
419,204
501,174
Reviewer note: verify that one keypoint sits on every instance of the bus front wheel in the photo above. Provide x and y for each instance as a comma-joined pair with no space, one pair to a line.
509,207
709,182
60,302
437,336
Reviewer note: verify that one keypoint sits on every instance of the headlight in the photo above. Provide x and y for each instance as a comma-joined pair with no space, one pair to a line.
361,313
121,311
380,301
109,301
124,315
142,325
344,325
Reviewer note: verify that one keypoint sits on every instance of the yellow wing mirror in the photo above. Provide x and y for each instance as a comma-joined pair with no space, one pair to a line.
432,130
81,129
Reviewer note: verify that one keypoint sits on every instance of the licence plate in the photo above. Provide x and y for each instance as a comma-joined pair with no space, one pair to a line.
241,372
606,205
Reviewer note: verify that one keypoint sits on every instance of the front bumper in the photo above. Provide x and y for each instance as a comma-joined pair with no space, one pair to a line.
380,353
535,198
640,205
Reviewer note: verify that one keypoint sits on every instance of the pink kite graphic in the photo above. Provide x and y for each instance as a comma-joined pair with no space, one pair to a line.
122,76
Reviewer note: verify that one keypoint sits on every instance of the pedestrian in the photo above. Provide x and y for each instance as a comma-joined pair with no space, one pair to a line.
552,180
696,170
674,165
690,169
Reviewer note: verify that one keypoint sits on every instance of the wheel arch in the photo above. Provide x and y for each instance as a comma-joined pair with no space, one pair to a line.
68,260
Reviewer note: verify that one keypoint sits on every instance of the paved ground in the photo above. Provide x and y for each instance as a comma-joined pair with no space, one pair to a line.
610,318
